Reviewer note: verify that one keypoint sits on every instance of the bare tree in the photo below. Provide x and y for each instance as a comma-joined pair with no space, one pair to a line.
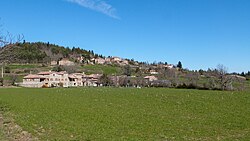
13,79
224,81
104,80
6,38
172,75
127,70
2,41
70,69
192,78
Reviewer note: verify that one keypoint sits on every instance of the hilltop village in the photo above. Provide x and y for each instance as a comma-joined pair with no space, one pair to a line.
80,79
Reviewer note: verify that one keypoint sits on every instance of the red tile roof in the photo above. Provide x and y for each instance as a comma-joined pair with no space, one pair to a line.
74,76
45,73
33,76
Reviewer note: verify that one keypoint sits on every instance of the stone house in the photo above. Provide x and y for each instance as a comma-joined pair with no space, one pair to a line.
60,79
123,62
153,72
116,59
33,81
169,66
80,59
55,79
151,78
66,62
108,61
100,61
91,80
75,80
53,63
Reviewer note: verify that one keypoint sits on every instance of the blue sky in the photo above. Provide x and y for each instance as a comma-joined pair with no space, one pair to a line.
199,33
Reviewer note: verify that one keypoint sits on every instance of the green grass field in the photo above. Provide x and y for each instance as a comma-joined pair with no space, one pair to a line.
23,66
106,69
129,114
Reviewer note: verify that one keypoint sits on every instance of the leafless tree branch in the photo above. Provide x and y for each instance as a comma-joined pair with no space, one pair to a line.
8,38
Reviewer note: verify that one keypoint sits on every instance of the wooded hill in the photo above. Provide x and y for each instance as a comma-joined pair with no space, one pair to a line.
41,53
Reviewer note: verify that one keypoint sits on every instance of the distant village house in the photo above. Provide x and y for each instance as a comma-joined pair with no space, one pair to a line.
66,62
60,79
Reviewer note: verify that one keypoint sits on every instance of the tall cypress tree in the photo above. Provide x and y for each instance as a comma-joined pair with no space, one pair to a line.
179,65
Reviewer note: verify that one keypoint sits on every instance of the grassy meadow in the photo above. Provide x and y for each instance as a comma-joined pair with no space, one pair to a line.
129,114
102,69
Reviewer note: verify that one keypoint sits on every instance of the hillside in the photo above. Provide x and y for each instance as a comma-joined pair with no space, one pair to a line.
25,58
40,53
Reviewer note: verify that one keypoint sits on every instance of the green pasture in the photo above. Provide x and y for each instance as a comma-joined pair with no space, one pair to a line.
102,69
129,114
23,66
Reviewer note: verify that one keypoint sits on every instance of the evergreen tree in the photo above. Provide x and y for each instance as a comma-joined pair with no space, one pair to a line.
242,74
248,73
179,65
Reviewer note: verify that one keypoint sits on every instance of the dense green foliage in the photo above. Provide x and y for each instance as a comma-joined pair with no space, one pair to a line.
130,114
30,52
39,52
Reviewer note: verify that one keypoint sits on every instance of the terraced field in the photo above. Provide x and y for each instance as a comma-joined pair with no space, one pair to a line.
128,114
102,69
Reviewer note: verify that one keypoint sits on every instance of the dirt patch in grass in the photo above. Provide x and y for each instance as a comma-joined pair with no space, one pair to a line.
10,131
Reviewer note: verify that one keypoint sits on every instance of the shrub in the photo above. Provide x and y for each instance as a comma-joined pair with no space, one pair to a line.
7,69
1,81
45,86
